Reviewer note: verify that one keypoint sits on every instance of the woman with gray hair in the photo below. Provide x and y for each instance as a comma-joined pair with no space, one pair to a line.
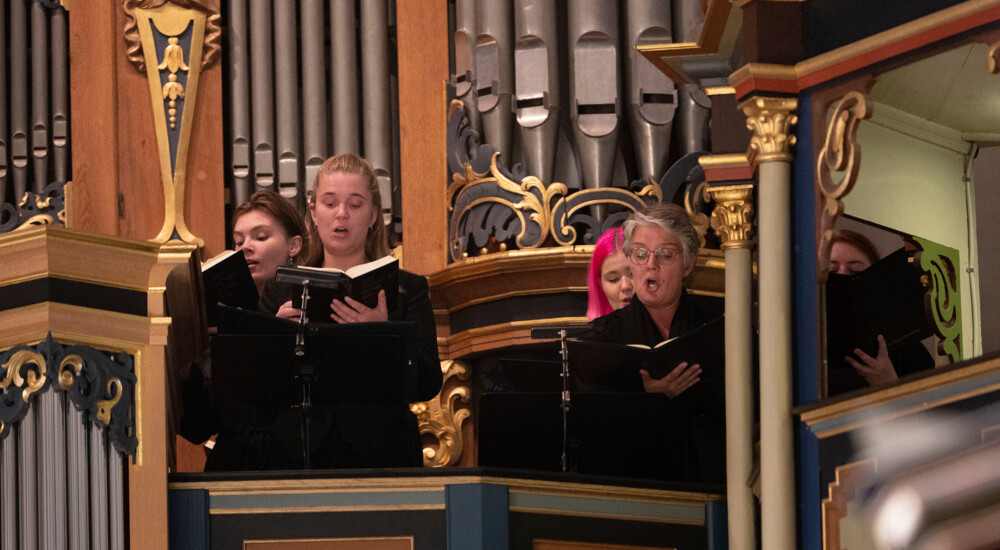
662,248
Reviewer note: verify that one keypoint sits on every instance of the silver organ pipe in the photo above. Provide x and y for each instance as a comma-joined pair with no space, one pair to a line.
4,127
495,73
51,433
536,69
314,144
693,106
39,95
286,101
27,496
376,107
60,93
689,18
344,77
239,100
595,108
98,489
19,96
76,473
652,97
464,78
262,112
8,494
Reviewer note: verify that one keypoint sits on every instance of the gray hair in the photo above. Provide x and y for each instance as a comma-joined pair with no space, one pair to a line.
669,217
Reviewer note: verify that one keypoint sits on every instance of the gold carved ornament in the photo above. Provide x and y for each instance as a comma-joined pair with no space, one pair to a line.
770,119
841,154
170,20
732,217
35,378
104,406
441,419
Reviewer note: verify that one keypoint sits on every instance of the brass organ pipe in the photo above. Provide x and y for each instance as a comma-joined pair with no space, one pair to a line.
536,70
19,96
60,93
495,73
377,129
344,78
39,95
651,97
262,94
287,100
314,91
464,78
595,105
239,100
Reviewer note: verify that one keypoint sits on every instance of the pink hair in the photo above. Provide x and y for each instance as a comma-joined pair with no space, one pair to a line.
609,243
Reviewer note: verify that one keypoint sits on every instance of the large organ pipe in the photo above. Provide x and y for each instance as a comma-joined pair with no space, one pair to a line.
51,410
27,501
689,17
19,96
116,498
344,78
76,476
693,113
465,59
98,489
239,99
652,97
8,493
594,100
262,111
313,90
60,94
536,69
287,101
39,95
376,107
495,73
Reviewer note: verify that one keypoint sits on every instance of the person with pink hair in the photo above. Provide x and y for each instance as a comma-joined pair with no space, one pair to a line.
609,279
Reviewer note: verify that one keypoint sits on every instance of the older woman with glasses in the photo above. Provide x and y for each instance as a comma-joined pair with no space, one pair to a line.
662,248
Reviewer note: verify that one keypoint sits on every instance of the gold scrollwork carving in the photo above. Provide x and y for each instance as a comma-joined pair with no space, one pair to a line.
770,119
441,419
943,301
68,375
840,153
104,406
732,217
33,381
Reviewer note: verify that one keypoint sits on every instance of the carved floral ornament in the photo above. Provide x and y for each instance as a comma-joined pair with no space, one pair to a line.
841,156
212,49
771,119
441,419
732,218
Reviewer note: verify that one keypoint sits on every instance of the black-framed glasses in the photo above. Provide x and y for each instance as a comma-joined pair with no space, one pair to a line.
641,256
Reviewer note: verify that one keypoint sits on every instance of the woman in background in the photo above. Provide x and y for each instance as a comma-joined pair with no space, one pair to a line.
609,279
269,232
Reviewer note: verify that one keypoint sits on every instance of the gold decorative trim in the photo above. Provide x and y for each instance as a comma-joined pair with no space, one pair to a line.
840,153
34,380
771,119
171,21
441,419
843,491
67,376
732,218
212,40
720,90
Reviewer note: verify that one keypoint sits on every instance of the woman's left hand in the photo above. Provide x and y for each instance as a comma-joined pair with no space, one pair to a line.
353,311
876,370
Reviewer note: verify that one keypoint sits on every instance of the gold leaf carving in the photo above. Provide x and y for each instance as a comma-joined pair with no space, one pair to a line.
771,119
35,378
840,153
441,419
68,375
732,217
213,31
104,406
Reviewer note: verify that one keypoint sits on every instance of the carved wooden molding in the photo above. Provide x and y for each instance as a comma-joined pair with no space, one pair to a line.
993,58
842,491
840,153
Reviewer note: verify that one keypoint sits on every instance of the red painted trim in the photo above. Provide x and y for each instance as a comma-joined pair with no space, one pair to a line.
736,173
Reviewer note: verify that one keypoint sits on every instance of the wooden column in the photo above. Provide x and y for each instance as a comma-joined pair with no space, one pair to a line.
422,34
117,187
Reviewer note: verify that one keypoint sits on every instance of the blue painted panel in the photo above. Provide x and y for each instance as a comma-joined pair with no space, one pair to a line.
187,520
717,525
476,516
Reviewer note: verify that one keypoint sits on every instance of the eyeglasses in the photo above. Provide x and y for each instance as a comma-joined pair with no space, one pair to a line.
641,256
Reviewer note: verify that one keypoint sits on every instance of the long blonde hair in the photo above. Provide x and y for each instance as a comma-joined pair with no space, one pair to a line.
376,245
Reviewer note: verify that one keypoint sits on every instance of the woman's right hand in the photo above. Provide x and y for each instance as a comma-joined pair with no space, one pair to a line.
286,311
673,384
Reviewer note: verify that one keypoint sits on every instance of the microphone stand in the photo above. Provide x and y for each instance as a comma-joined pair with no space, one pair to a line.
305,375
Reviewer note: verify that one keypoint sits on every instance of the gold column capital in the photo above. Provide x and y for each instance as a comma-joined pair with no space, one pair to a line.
732,217
771,119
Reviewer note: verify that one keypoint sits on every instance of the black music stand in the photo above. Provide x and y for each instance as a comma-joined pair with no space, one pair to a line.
256,376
